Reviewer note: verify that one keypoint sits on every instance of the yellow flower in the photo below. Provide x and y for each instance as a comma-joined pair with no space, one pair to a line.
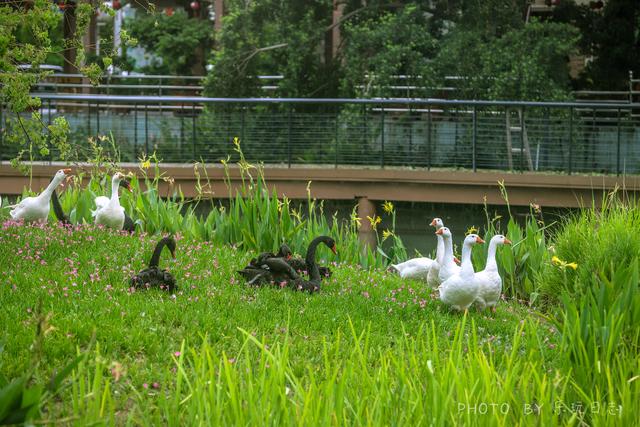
355,219
374,221
471,230
564,264
386,234
146,164
387,207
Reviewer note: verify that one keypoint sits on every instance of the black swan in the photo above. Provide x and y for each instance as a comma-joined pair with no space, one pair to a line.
278,270
301,266
255,274
128,226
154,276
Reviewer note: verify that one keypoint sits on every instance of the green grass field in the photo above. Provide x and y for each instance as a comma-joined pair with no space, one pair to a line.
369,349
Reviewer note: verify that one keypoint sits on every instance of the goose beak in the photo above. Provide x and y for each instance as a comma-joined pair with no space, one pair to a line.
433,223
479,240
440,232
66,171
456,260
334,250
127,186
507,241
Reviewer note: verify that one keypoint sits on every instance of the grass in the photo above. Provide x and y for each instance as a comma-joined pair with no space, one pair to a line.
369,349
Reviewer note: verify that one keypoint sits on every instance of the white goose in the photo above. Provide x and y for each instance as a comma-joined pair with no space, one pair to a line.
489,280
448,267
37,208
420,268
432,277
108,210
461,289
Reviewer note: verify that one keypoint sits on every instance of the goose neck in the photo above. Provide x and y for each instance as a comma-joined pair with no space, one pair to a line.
466,265
491,256
440,250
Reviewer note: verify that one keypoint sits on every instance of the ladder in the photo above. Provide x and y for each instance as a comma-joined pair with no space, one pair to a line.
520,132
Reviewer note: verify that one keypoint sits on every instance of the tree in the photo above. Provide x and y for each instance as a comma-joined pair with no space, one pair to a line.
26,42
611,35
271,37
527,63
178,40
380,48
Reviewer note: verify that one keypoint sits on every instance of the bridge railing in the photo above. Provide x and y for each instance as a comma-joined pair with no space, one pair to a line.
425,133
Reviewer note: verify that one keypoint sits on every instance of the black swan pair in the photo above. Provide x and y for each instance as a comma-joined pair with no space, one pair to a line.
281,269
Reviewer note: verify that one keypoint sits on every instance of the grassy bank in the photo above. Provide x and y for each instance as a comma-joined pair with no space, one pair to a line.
368,349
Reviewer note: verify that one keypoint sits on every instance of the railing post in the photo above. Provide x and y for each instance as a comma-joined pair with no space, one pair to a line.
382,138
336,137
547,115
522,140
242,109
474,138
97,117
135,131
193,129
289,135
429,137
146,129
618,146
49,133
570,140
89,118
181,130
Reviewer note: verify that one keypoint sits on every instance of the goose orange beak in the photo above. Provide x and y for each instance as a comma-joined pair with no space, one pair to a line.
439,232
66,171
507,241
334,250
289,256
433,223
456,260
479,240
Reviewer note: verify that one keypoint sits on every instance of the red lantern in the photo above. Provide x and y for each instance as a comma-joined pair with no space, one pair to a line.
116,4
195,5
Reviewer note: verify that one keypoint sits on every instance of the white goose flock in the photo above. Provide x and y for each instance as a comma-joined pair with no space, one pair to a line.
458,286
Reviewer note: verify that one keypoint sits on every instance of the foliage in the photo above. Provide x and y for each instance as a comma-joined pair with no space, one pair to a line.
383,47
180,41
21,399
527,63
272,37
368,348
29,37
599,241
610,38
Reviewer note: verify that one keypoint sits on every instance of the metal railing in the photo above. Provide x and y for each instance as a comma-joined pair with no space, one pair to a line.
570,138
403,87
137,85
